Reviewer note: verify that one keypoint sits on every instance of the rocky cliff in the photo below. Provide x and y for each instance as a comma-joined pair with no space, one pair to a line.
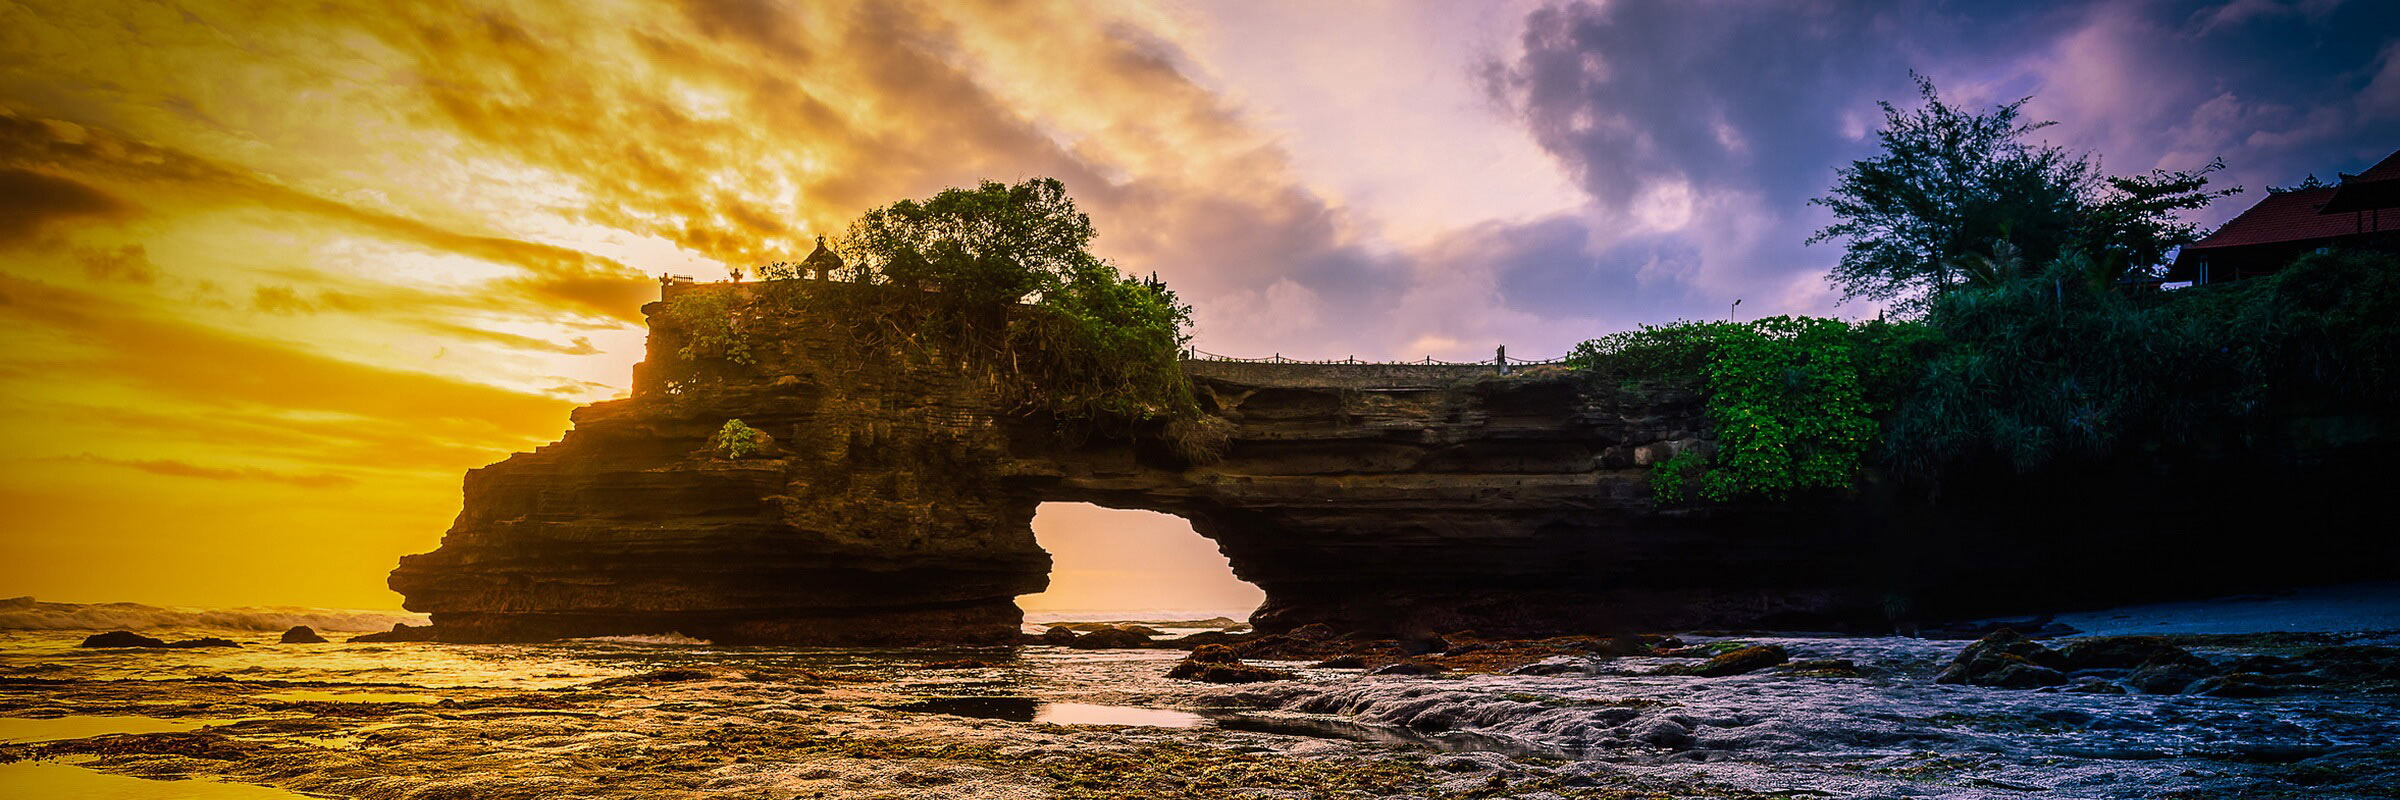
891,496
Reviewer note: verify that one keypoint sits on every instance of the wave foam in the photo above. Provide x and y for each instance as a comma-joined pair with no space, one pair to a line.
668,639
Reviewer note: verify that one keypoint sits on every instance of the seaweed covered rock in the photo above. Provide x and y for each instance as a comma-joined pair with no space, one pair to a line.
1733,662
2169,672
1216,663
2006,660
2116,652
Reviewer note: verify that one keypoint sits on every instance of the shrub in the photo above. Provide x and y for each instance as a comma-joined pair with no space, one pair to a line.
2042,369
998,280
734,440
1792,400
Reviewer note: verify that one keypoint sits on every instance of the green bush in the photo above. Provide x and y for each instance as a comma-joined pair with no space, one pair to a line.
1792,401
2043,369
734,440
711,329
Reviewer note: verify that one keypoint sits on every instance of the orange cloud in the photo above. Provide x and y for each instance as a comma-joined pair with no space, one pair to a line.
257,264
171,467
30,200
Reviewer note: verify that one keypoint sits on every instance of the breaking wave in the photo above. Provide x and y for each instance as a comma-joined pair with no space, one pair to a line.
27,614
668,639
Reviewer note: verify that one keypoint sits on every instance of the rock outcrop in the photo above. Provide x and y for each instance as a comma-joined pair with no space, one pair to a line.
889,495
121,639
131,639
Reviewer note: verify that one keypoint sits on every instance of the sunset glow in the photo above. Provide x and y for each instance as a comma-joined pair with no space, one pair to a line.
273,276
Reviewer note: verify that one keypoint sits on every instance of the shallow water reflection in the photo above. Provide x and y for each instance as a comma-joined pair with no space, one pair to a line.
1090,714
305,695
63,782
20,729
1027,709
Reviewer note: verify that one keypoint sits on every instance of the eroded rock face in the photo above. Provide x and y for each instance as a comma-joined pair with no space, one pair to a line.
877,515
890,500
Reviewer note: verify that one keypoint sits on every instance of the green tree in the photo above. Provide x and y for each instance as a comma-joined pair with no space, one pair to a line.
1006,278
1949,182
992,245
1963,198
2131,222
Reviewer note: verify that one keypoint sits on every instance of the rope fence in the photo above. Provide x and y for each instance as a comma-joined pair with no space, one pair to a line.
1500,360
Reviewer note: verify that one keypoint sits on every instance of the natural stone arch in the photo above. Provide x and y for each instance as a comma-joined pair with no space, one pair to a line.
891,500
1136,559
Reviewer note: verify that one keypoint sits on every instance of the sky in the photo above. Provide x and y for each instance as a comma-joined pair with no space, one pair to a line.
273,275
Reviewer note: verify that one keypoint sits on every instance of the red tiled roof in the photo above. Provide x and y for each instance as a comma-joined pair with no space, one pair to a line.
2293,216
2387,169
2376,189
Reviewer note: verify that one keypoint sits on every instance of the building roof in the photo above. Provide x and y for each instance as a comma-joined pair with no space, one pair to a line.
2385,170
2285,217
2377,188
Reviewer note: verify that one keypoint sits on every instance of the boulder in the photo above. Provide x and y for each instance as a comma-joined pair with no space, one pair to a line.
1822,668
1109,639
301,634
1342,662
1216,663
2006,660
204,641
1144,630
1617,646
1663,732
2168,673
1423,644
1733,662
1207,637
1059,635
2094,686
400,632
121,639
2238,684
1307,641
2116,652
2352,663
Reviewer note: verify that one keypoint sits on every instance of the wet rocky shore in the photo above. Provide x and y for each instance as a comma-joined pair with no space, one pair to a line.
1692,714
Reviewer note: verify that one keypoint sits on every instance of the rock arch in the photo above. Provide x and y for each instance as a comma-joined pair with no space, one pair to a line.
890,502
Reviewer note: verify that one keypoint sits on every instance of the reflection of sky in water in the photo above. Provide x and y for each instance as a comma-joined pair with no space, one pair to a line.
20,729
1093,714
388,672
51,781
1027,709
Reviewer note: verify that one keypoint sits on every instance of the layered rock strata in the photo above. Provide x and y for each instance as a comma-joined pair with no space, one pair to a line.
890,497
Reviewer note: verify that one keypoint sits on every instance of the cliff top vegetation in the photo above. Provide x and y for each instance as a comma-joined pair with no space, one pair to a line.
999,278
2024,339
